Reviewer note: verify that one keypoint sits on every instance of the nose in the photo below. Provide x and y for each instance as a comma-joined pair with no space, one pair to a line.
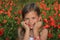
30,21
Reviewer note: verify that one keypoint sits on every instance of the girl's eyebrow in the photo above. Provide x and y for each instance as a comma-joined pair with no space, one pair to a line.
26,18
33,17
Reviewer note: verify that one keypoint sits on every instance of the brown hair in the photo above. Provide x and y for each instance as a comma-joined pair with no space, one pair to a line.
29,8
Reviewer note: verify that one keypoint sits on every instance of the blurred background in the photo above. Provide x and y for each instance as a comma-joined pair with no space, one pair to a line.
10,17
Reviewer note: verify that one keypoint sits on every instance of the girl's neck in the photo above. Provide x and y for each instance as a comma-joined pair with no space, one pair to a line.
31,33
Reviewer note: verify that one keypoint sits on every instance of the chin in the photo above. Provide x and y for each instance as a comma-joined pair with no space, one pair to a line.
31,27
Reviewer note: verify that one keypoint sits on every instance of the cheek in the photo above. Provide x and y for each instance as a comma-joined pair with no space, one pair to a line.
35,21
27,21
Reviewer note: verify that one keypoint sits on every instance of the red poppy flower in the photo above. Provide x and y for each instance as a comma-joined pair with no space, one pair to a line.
52,24
9,14
58,26
19,11
45,20
1,11
10,9
1,31
52,21
55,14
47,8
1,2
59,6
50,35
42,5
11,3
56,8
46,26
51,18
44,13
59,15
42,0
58,35
4,21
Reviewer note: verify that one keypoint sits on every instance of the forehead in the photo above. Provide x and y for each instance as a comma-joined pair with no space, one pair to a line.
31,14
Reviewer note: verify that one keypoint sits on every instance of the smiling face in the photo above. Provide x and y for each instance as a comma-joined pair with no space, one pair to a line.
31,18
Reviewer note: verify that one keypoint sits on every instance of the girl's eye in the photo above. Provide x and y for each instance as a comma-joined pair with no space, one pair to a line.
33,17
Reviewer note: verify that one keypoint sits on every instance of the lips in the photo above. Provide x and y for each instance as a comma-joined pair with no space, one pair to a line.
31,26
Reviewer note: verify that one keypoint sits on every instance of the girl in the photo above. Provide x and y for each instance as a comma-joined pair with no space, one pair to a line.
32,24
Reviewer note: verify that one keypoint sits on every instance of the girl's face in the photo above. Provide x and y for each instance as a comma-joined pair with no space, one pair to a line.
31,18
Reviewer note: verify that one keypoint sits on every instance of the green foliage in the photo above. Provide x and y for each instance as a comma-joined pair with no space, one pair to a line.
10,16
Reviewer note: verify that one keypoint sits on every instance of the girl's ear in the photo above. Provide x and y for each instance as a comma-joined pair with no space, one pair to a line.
40,18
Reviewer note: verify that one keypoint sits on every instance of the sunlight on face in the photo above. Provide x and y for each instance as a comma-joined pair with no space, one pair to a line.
31,18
